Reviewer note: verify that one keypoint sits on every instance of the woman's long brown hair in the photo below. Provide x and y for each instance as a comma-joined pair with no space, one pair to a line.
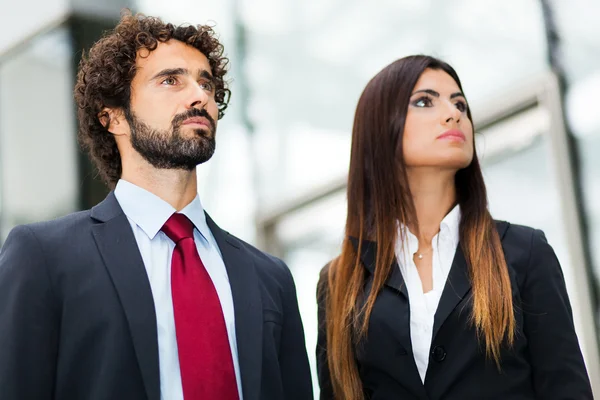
378,197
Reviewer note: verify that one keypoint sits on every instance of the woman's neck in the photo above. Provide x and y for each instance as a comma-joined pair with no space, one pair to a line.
434,196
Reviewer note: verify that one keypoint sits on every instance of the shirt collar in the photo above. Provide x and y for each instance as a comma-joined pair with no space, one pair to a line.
450,225
449,230
150,212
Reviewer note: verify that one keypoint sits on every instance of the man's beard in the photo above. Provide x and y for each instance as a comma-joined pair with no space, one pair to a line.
169,149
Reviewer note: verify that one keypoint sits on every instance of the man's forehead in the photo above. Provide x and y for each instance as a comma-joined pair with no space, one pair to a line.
172,55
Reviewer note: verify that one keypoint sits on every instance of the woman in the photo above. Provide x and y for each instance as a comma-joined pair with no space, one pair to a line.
431,298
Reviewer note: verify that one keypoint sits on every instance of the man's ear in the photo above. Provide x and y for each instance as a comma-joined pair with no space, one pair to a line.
113,119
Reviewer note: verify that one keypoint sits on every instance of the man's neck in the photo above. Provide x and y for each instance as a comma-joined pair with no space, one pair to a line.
175,186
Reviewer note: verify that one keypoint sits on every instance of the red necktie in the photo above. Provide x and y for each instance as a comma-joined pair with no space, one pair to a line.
204,354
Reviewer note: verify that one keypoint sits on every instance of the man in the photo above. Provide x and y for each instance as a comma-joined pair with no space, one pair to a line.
144,296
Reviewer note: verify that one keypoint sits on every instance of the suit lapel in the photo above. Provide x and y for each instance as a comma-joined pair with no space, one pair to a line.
247,303
458,284
399,313
122,259
368,255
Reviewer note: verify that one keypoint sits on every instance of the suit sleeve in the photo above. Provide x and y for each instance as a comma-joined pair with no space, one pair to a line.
322,364
557,363
293,359
28,320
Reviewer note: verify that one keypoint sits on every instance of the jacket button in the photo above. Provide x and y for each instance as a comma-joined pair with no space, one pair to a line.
438,353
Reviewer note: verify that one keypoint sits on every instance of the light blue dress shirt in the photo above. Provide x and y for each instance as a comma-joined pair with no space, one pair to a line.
147,213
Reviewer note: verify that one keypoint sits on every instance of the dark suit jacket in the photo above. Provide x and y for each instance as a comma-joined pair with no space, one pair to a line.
545,362
77,317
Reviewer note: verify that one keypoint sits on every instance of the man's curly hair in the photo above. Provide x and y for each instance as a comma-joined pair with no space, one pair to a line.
105,75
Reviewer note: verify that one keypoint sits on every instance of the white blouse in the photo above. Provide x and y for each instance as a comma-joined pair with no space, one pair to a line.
424,305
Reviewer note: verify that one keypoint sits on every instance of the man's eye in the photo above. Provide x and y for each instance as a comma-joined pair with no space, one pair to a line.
208,86
169,81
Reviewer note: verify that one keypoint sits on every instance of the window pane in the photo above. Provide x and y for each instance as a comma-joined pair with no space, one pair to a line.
37,132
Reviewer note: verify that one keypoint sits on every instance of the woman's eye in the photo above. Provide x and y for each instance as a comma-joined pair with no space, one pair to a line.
461,106
423,102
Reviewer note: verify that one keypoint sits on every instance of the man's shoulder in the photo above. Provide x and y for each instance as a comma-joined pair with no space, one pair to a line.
68,227
264,263
257,255
29,242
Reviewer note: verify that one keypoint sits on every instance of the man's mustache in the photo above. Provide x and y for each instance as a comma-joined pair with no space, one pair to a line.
193,112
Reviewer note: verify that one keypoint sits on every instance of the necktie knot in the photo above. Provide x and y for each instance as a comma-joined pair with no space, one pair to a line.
178,227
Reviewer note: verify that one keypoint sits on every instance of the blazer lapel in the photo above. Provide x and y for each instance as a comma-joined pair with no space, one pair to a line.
369,254
400,313
458,284
118,248
247,303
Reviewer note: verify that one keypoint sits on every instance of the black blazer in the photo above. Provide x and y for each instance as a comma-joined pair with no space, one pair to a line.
545,362
77,317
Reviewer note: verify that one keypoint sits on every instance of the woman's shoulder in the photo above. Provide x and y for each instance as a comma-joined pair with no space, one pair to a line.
521,236
521,243
326,274
323,283
515,232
